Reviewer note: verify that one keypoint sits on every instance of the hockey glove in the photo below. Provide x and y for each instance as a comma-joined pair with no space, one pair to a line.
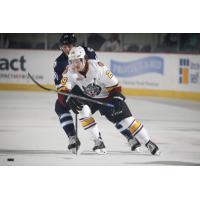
117,100
75,104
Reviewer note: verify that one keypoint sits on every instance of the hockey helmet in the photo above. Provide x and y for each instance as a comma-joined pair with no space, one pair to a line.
76,53
68,38
77,59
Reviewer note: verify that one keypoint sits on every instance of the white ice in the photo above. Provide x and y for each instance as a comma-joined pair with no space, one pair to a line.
31,134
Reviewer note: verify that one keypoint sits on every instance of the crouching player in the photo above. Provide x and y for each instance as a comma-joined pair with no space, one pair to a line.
92,79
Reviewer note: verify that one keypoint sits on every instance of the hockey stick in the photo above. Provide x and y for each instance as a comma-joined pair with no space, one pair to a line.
76,126
70,95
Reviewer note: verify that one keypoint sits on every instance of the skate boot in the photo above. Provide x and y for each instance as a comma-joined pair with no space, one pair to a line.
74,144
99,147
153,148
135,144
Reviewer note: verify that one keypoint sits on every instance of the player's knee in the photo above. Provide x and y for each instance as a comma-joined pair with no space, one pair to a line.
59,109
125,123
129,126
85,112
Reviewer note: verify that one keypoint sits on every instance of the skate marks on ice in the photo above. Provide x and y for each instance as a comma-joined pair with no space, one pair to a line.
190,105
64,157
39,153
117,153
17,151
63,153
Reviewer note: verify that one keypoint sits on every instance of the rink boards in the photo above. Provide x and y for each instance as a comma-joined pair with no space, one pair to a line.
145,74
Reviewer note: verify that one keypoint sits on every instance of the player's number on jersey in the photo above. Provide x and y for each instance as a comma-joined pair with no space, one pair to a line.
109,74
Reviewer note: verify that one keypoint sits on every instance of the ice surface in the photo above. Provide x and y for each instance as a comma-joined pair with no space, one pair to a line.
31,134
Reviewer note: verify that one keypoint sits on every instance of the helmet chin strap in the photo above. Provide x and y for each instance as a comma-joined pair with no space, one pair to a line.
83,63
85,68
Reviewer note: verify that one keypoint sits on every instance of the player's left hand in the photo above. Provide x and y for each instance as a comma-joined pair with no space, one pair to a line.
76,105
117,100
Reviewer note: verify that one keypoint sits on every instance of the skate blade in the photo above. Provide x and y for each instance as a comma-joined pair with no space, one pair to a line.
140,150
157,153
75,151
101,151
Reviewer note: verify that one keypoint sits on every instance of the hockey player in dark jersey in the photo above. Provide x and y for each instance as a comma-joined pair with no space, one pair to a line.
62,108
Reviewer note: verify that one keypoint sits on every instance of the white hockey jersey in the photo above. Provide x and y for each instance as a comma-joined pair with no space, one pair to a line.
97,83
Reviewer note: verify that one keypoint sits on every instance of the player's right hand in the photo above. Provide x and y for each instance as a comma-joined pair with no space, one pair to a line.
75,104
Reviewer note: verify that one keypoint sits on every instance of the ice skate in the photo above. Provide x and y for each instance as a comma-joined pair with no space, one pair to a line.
135,145
99,147
74,144
153,148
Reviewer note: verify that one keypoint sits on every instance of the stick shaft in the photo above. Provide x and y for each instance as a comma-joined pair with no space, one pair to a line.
70,95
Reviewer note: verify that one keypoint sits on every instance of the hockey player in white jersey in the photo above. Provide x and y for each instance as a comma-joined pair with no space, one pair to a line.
92,79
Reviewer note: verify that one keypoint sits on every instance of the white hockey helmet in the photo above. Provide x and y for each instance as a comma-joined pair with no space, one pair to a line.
77,59
76,53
